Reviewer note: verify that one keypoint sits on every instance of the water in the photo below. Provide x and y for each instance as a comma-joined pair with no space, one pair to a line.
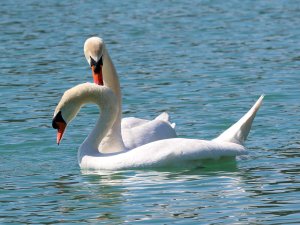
205,62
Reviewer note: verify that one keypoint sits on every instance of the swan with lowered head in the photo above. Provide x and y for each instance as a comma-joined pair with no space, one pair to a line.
162,153
135,131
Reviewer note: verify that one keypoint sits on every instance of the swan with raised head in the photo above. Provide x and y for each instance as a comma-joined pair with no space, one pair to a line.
162,153
135,131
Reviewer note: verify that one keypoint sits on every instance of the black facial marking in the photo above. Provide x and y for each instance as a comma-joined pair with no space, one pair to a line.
93,62
56,119
97,65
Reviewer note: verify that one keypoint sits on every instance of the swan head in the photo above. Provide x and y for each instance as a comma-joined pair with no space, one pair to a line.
74,98
93,51
60,124
66,110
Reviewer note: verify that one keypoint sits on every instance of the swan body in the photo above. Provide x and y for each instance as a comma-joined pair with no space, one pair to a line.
162,153
135,131
174,152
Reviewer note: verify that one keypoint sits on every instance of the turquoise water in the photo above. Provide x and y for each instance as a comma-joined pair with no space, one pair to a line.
204,62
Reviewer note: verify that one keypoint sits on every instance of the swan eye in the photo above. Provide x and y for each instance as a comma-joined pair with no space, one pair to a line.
57,119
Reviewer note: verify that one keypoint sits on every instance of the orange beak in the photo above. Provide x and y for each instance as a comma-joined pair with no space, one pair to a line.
98,77
60,131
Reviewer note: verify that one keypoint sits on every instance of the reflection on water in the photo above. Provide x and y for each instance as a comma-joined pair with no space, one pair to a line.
226,195
169,192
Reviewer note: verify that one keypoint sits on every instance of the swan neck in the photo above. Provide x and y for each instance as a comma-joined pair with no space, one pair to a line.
111,80
106,101
98,133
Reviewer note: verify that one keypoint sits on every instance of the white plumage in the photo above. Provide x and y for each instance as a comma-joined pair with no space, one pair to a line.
173,152
135,131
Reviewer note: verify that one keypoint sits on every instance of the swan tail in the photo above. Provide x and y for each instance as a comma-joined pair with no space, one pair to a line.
239,131
165,117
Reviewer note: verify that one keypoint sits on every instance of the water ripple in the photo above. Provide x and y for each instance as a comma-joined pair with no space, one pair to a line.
204,62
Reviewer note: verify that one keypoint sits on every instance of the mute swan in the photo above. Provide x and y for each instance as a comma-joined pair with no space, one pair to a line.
167,152
135,131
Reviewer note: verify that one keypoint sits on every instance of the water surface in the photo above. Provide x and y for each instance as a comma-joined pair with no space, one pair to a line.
204,62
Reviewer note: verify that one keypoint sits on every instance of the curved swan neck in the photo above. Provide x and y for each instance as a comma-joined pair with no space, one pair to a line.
103,137
82,94
103,124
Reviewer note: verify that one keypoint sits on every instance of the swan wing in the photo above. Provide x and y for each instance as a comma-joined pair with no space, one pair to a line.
137,132
165,117
146,132
131,122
